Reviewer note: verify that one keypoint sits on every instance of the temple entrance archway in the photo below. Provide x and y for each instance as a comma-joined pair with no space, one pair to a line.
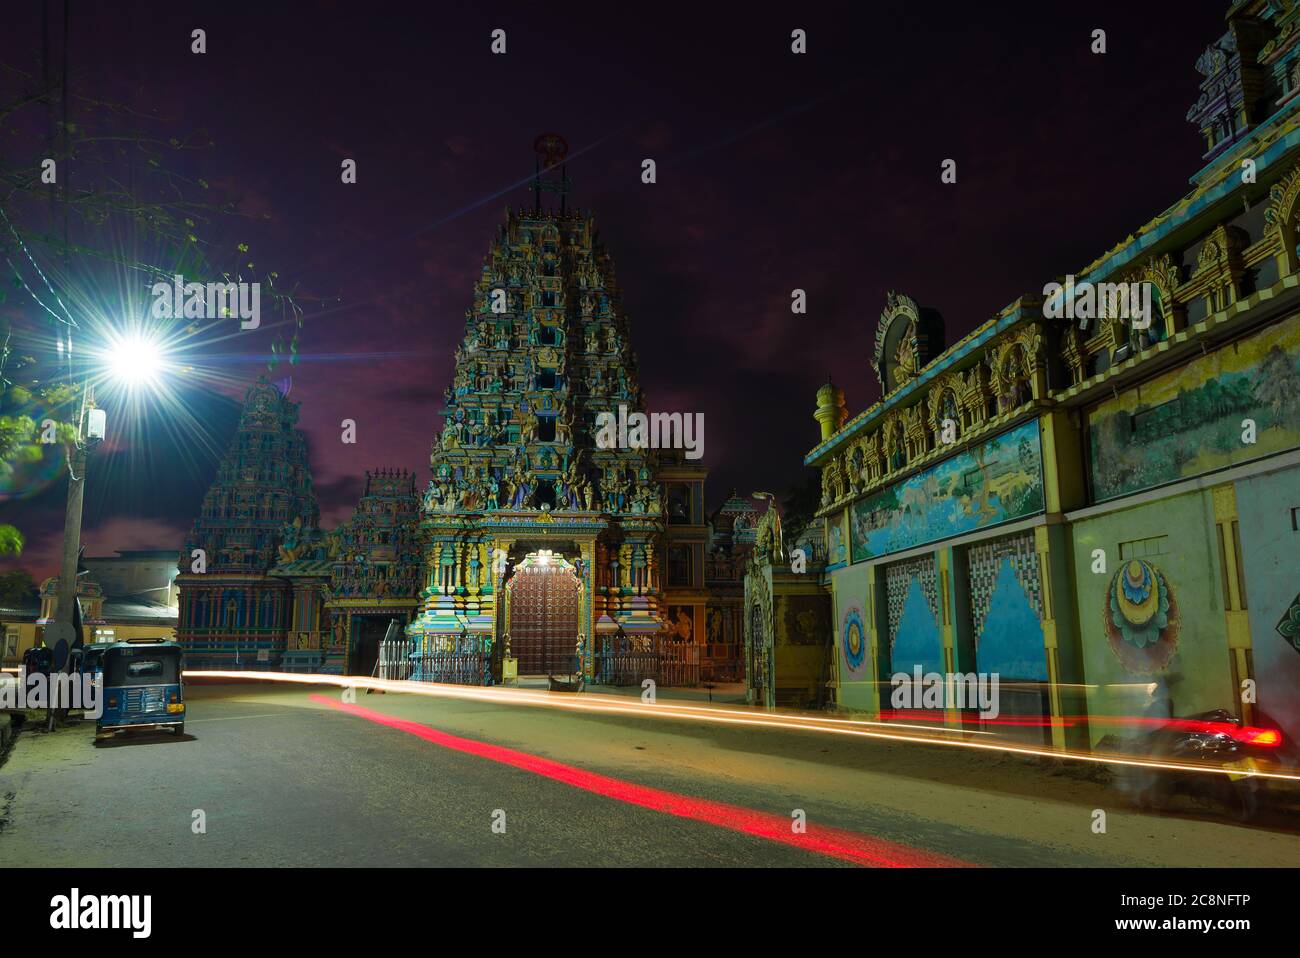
368,630
545,601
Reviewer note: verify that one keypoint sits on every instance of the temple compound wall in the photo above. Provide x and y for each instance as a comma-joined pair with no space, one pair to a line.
1103,508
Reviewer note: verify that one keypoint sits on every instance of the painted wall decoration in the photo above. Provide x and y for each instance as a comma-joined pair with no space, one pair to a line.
836,550
990,484
1006,608
805,620
853,641
681,622
913,598
1141,617
1289,626
1189,421
1179,539
857,688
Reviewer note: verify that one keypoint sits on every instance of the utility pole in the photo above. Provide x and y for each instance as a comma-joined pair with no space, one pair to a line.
61,635
77,458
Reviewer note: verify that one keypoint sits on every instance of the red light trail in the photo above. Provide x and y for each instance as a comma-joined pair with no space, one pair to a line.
820,839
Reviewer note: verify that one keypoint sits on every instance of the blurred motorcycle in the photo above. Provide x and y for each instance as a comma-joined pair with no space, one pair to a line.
1230,752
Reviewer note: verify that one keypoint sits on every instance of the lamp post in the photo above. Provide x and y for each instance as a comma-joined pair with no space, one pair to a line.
90,430
61,635
130,361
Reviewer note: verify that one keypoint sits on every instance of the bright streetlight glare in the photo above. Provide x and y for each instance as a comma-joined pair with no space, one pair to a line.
134,360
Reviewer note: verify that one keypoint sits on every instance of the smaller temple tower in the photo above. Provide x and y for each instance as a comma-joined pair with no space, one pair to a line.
376,572
259,512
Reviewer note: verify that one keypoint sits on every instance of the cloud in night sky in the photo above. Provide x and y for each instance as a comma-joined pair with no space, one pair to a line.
774,172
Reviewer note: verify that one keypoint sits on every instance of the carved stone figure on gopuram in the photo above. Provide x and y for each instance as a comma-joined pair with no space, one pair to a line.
519,482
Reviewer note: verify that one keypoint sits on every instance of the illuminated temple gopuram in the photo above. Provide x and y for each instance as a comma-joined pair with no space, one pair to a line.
530,542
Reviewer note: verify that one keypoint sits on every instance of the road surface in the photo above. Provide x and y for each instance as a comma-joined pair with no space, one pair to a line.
290,775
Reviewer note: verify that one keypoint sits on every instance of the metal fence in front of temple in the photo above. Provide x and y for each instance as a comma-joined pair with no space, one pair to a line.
619,661
680,665
625,660
394,659
464,663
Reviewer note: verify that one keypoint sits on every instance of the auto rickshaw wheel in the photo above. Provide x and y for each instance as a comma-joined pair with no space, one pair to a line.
178,730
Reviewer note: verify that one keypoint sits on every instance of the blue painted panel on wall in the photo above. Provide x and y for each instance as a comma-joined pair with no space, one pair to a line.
918,641
1012,641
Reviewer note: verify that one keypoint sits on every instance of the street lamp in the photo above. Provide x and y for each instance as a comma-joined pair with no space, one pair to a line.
134,360
131,361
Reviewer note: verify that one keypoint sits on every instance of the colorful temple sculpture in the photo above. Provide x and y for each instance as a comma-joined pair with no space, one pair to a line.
535,548
1100,505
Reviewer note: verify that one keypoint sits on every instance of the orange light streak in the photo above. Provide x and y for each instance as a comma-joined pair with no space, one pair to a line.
602,704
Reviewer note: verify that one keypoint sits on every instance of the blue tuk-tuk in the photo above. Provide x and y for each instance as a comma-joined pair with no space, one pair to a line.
141,686
90,658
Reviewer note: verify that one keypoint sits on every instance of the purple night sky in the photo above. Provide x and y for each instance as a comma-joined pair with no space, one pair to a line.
775,171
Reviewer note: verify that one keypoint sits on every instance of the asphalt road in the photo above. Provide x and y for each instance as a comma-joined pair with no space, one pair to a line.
284,775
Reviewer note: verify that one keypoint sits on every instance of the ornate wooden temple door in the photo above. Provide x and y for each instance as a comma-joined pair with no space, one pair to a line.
544,607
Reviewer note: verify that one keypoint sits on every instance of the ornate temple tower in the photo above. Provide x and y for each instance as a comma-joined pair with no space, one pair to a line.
519,480
376,569
259,512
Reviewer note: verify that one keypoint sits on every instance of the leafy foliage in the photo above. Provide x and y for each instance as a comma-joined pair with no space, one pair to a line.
95,195
799,508
16,588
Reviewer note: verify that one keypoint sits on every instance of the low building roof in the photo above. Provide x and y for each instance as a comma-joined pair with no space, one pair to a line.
126,610
29,609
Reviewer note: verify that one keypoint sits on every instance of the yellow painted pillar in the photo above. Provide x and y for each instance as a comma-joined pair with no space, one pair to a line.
587,547
943,569
955,619
877,646
836,674
1233,578
1064,484
1064,489
1051,644
837,638
462,576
